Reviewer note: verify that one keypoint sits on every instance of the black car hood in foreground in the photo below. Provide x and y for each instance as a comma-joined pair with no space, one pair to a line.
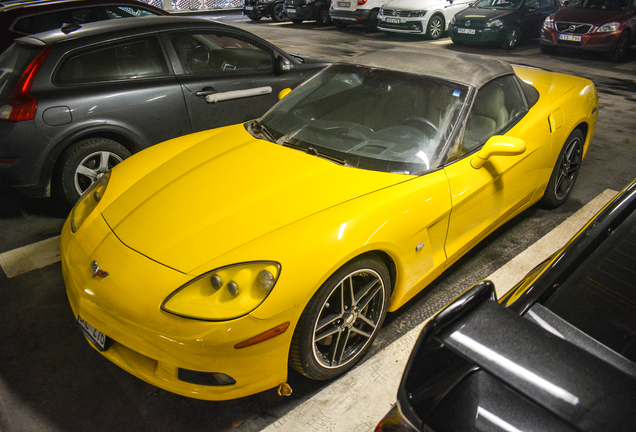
537,364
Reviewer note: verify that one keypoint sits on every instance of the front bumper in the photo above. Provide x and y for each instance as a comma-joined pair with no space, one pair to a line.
257,10
406,25
358,16
598,42
154,345
481,36
303,12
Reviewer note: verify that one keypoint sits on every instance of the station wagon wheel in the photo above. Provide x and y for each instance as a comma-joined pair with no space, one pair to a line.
435,27
278,12
341,320
85,162
565,171
512,38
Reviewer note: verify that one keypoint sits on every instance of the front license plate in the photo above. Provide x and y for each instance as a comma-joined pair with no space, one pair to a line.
567,37
393,20
344,4
290,10
95,336
466,31
249,7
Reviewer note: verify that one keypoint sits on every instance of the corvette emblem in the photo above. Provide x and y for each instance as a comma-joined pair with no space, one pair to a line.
97,271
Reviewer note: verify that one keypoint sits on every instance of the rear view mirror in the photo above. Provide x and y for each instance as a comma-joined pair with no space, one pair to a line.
283,65
498,145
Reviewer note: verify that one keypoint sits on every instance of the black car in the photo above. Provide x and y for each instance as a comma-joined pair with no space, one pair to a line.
500,22
308,10
24,17
557,353
257,9
76,101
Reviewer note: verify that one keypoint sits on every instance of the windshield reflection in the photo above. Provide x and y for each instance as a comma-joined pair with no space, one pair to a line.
368,118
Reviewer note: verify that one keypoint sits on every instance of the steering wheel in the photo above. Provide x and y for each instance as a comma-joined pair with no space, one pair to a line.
423,124
200,56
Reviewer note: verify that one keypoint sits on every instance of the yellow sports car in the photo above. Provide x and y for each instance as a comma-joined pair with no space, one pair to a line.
207,264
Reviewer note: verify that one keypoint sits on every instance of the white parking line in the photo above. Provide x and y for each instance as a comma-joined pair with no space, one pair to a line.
526,52
358,401
627,66
31,257
446,41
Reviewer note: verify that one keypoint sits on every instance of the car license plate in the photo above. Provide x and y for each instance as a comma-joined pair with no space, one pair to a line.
466,31
95,336
249,7
568,37
393,20
290,10
344,4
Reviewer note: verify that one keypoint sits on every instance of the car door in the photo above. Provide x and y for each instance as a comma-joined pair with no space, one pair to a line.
452,7
484,198
532,15
226,78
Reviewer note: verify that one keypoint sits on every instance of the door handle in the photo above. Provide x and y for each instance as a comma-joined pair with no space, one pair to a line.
238,94
205,92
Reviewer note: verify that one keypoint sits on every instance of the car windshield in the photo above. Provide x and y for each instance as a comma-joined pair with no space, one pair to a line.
615,5
498,4
368,118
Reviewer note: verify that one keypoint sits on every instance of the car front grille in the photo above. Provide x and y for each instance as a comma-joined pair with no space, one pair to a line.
573,28
400,13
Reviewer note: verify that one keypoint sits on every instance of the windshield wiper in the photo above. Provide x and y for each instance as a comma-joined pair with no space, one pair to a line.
260,129
312,151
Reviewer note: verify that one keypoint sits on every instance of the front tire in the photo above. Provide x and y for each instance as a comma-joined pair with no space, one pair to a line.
254,17
297,21
565,172
278,12
341,320
85,162
621,48
435,27
372,21
512,38
323,18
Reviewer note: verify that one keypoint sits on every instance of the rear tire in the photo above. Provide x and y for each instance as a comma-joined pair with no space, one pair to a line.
297,21
565,171
85,162
372,21
339,24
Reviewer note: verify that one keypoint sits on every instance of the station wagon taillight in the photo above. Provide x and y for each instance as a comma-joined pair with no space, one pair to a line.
20,105
361,2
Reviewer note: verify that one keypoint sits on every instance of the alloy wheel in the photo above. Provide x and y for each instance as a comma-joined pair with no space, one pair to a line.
93,167
569,168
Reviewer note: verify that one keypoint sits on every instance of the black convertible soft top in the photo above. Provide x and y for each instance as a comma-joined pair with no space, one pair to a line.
469,69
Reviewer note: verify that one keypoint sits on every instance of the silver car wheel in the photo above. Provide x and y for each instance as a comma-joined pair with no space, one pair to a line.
92,167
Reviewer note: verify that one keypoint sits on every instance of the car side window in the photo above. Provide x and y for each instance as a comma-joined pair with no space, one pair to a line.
54,20
218,53
131,59
115,12
497,105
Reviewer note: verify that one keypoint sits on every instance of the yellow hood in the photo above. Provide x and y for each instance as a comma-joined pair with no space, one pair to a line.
225,191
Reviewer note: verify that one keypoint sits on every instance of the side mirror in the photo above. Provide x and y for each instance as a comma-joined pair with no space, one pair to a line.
498,145
283,65
284,92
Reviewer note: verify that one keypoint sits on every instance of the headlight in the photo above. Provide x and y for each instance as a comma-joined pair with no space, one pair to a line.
494,23
225,293
549,22
610,27
310,1
88,201
419,13
452,21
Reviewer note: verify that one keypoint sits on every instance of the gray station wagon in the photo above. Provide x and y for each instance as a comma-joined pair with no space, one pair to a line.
78,100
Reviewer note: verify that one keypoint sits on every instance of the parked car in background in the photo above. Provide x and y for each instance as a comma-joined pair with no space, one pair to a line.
558,353
20,18
501,22
364,12
369,180
606,26
308,10
257,9
430,17
76,101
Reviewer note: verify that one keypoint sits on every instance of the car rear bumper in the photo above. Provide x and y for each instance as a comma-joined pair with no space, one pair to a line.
601,42
359,16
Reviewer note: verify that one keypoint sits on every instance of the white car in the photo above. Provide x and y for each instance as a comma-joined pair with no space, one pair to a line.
430,17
